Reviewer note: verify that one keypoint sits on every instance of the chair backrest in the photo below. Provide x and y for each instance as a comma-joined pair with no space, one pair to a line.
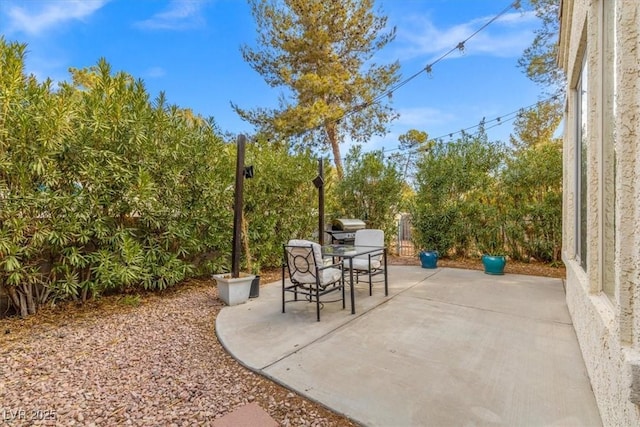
369,237
302,256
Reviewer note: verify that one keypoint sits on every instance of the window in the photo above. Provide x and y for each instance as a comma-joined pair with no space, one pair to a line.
581,166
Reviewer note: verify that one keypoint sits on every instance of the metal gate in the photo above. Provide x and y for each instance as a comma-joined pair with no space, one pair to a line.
403,246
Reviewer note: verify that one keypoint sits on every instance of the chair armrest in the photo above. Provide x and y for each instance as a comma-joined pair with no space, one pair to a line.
377,252
337,265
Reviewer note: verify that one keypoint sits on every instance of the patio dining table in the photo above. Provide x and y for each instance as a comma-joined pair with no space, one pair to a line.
348,253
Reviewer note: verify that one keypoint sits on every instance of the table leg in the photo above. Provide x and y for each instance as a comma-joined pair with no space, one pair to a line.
386,282
353,303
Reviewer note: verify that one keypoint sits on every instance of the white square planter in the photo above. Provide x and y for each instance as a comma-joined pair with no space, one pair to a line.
234,290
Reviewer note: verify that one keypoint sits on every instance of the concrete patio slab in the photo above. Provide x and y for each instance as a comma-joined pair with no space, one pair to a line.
446,347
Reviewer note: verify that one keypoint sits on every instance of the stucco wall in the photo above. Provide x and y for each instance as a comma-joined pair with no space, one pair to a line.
628,168
606,360
607,326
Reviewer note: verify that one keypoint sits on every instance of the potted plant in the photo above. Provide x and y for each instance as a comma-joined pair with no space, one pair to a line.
492,248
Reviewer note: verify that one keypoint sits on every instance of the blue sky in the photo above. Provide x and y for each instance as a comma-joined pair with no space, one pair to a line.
190,49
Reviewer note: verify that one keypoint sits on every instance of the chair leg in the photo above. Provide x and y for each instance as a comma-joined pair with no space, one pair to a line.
283,297
318,301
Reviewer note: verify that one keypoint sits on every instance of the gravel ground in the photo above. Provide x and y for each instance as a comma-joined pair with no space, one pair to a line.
532,268
113,363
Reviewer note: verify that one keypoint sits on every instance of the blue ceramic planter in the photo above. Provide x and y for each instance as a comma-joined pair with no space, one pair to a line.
494,264
429,259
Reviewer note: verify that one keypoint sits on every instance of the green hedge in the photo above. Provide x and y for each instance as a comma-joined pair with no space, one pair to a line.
103,189
475,196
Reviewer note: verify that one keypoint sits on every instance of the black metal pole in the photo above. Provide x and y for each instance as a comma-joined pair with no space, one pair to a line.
321,203
237,208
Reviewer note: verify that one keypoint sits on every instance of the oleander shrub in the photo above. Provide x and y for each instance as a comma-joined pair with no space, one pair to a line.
372,190
280,201
105,190
474,196
456,183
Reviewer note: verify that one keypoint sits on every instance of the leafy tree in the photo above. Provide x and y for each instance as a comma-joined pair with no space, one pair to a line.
539,61
412,141
413,138
104,190
536,126
280,201
320,51
532,200
532,182
455,183
101,190
372,189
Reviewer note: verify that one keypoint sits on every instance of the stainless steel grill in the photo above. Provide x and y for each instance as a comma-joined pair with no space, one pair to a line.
343,230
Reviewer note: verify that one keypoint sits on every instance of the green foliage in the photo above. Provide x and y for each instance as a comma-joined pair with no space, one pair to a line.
103,190
413,141
131,300
533,203
539,61
474,196
372,190
321,52
280,200
537,125
455,183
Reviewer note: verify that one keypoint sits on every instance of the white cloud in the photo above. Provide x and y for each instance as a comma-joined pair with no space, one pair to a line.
155,72
506,37
36,21
179,15
422,118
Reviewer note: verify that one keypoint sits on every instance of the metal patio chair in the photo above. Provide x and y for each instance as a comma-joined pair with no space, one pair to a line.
309,277
370,264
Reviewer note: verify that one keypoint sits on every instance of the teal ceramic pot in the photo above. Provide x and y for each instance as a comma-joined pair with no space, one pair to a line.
429,259
494,264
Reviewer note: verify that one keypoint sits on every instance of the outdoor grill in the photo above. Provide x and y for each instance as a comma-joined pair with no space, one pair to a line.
343,230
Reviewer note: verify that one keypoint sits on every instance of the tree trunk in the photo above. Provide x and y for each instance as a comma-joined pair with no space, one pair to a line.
15,299
43,294
88,289
23,306
28,293
332,135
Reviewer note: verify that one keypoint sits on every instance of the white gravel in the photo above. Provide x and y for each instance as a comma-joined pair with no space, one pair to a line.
158,364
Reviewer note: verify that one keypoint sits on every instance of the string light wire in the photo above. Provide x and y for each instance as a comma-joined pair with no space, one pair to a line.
499,121
460,46
429,67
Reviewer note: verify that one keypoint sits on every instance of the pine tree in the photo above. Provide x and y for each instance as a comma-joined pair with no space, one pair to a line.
320,52
539,61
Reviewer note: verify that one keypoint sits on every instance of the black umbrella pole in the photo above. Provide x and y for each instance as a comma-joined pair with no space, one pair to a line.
321,203
237,208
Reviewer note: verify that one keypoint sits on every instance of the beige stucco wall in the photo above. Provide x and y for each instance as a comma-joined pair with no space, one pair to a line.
607,326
